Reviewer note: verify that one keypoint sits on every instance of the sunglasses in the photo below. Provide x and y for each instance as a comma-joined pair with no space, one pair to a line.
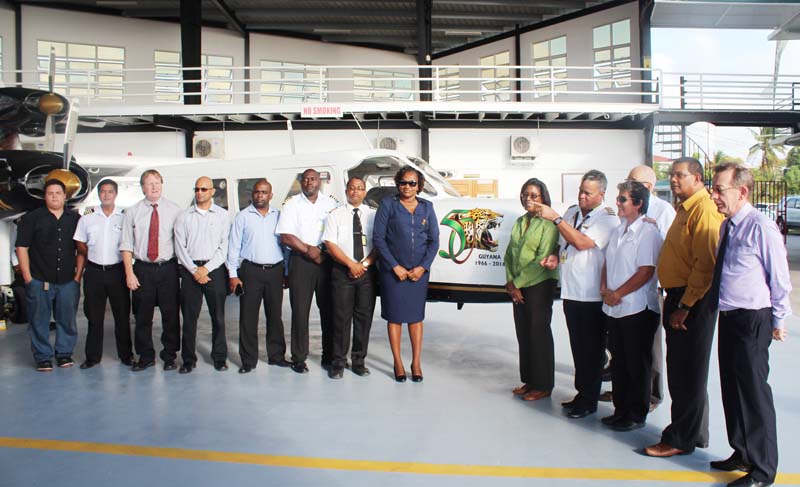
403,182
202,190
622,199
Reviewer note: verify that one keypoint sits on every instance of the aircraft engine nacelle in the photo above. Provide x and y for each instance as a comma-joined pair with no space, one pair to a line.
26,110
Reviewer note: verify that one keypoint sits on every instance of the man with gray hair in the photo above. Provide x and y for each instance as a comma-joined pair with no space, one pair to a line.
585,230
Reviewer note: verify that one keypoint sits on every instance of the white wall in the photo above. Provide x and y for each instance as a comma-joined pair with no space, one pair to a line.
579,51
8,33
153,144
486,152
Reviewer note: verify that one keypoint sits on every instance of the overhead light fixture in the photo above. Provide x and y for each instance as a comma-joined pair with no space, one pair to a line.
332,31
463,32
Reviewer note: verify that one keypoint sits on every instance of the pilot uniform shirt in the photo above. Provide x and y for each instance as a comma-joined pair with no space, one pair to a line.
202,235
304,219
136,226
662,212
581,269
253,237
51,250
102,235
629,249
339,228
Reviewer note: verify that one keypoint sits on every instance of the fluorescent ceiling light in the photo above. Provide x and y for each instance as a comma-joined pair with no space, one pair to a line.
332,31
455,32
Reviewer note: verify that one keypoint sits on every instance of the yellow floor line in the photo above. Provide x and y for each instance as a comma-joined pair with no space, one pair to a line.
376,466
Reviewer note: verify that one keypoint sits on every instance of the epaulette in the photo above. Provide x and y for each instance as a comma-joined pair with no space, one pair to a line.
88,211
288,198
610,211
572,206
338,203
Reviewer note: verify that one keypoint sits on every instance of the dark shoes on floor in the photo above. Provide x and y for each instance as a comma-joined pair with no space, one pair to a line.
246,369
300,367
170,365
185,368
627,425
220,365
734,462
360,370
611,420
663,450
44,366
88,364
336,372
65,361
748,481
280,362
578,412
127,361
141,365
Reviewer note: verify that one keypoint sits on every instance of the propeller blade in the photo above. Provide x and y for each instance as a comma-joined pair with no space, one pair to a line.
69,132
51,70
49,134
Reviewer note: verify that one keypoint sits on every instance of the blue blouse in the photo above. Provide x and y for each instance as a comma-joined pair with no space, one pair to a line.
403,238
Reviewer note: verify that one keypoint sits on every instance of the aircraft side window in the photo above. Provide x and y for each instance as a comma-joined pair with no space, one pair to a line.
295,189
221,194
245,191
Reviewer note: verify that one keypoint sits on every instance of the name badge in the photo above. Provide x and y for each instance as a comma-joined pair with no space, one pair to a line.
363,240
563,256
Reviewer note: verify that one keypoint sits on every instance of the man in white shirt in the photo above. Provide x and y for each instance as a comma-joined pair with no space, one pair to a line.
348,240
585,230
201,244
300,227
98,237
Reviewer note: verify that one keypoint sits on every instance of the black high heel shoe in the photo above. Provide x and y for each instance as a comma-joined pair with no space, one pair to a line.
399,378
416,378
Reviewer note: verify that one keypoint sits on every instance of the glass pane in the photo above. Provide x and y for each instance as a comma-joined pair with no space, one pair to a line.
81,65
270,88
110,80
622,53
81,51
219,61
167,57
541,50
503,72
558,46
487,61
622,32
502,58
111,53
602,56
271,99
110,66
44,48
602,36
559,61
218,73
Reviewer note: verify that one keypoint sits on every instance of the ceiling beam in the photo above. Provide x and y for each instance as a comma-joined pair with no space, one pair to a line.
230,16
393,26
560,4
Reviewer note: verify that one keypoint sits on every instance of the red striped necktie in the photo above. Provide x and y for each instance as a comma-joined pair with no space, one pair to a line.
152,235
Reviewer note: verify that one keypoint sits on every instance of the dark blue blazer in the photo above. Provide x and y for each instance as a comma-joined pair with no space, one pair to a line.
409,240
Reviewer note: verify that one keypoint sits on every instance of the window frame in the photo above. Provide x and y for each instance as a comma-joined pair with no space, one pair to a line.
495,79
558,72
606,73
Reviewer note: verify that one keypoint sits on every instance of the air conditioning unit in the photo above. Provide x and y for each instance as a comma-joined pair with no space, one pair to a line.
208,147
524,148
389,143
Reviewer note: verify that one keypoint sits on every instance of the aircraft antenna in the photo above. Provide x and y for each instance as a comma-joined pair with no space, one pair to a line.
369,144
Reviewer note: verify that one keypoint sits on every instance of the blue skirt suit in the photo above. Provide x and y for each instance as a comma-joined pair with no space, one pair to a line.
409,240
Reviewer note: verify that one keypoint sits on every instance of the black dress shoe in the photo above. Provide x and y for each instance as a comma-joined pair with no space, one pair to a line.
336,372
326,362
569,404
416,378
141,365
360,370
627,425
88,364
611,420
246,369
185,368
748,481
220,365
734,462
399,378
170,365
300,367
65,361
127,361
280,363
578,412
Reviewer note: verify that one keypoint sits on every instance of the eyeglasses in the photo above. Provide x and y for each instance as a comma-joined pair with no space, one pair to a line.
622,199
356,188
721,190
403,182
202,190
679,175
533,196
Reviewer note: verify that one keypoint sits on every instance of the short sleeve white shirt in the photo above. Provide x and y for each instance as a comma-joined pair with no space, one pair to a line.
581,269
628,250
662,212
339,227
304,219
102,235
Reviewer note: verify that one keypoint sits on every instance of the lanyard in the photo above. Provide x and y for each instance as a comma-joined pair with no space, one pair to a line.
575,224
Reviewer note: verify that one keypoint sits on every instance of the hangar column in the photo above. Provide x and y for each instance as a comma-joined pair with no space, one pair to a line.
191,41
424,29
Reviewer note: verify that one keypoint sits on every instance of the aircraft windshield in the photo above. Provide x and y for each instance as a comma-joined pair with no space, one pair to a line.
433,175
378,175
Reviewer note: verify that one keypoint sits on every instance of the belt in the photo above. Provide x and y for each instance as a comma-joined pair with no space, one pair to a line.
674,289
89,263
263,266
156,264
200,263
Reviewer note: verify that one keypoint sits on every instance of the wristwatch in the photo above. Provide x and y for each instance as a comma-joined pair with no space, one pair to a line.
557,220
684,307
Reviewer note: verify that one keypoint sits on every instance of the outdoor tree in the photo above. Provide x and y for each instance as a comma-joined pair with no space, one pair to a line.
793,157
792,179
770,158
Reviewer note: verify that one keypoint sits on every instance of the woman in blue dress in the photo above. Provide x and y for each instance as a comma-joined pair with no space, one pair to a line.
406,234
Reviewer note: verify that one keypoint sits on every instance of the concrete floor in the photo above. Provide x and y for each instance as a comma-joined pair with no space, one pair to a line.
461,426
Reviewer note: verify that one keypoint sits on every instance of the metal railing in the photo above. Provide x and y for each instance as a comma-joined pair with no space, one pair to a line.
276,85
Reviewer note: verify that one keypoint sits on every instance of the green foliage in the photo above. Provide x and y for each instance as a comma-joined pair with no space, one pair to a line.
793,157
769,153
792,178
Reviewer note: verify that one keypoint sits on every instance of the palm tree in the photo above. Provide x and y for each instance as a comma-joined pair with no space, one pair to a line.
769,152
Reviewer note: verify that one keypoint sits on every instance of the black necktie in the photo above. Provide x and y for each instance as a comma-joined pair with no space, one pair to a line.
723,246
358,237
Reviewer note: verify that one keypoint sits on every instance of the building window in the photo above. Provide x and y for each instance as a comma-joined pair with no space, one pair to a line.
1,59
375,85
449,83
551,57
494,77
612,55
292,83
84,69
217,83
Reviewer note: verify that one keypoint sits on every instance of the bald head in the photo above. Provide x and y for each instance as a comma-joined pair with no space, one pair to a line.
203,192
644,175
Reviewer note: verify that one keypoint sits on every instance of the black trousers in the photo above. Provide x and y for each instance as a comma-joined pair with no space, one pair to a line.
744,340
535,338
100,286
688,355
632,347
158,286
261,285
353,302
586,326
192,293
307,279
657,367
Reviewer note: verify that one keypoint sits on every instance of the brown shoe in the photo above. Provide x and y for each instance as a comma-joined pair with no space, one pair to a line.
663,450
607,396
534,395
521,390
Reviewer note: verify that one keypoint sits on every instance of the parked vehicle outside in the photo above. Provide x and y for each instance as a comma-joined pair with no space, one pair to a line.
791,204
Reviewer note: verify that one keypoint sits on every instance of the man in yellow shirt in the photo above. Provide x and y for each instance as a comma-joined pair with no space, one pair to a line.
685,269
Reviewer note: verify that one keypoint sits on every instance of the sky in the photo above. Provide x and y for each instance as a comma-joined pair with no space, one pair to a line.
730,51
